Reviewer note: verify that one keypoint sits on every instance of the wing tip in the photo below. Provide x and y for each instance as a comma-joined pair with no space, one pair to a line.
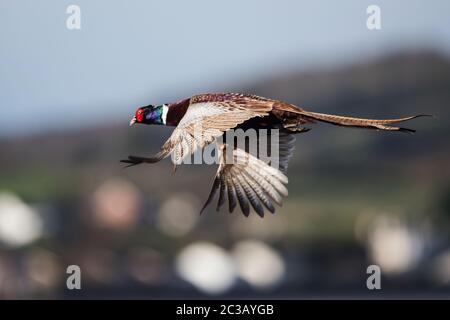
131,162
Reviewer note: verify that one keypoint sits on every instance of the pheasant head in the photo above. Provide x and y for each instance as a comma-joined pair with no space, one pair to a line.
150,115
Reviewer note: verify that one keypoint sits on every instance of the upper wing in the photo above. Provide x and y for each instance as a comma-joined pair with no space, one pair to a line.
203,122
247,179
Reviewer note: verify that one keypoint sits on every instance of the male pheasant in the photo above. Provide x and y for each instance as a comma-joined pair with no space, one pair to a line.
241,177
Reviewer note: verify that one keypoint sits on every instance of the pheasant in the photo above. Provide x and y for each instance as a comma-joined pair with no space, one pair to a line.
245,179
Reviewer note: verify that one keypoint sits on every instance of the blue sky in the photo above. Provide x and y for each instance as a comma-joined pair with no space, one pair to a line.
130,53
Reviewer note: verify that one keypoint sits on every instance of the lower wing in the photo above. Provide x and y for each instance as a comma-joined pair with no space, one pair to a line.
244,178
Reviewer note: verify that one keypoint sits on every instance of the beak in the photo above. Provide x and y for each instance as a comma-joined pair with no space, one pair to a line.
132,121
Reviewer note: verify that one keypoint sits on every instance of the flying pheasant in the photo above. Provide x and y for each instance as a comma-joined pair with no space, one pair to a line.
245,179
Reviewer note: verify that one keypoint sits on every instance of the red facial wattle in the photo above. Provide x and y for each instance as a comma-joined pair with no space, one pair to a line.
140,115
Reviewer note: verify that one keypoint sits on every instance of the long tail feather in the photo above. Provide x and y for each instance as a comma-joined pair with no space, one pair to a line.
383,124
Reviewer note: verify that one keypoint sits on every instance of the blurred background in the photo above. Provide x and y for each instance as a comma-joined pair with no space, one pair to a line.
356,197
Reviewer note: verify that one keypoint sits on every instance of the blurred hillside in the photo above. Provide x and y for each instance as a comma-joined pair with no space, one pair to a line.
342,182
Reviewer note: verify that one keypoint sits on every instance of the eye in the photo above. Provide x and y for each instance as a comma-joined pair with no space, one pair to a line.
139,115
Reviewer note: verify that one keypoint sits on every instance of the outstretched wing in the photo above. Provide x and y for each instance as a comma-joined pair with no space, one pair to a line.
246,179
204,121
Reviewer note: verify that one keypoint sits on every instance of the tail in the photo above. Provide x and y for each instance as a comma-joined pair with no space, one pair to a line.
360,122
